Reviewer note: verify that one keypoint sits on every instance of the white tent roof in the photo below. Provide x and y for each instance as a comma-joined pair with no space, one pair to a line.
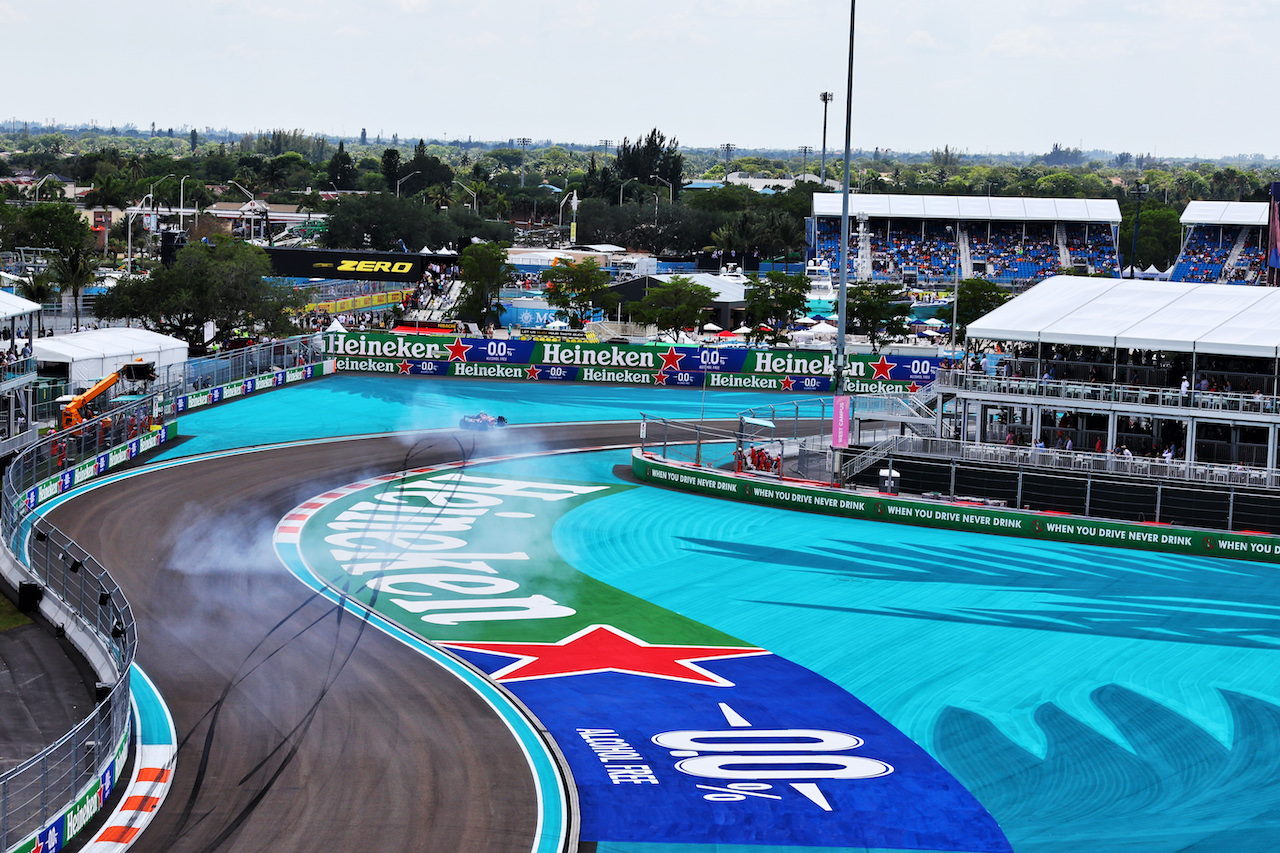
725,289
15,306
950,208
1220,319
92,355
1225,213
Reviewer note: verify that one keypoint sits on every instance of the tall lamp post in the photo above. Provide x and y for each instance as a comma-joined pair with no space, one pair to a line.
805,151
475,199
842,303
826,99
402,180
523,142
129,229
621,188
671,190
1140,191
155,218
727,149
182,186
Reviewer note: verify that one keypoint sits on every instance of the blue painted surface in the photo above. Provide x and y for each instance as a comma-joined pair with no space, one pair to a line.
361,405
1091,698
155,726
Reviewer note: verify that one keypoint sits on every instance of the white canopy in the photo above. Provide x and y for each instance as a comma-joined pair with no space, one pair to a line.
1225,213
950,208
89,356
1220,319
15,306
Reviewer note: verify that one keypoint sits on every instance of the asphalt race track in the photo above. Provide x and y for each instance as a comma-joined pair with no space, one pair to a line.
299,728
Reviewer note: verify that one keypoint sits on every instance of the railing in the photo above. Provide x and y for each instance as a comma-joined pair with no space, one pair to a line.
99,623
1065,389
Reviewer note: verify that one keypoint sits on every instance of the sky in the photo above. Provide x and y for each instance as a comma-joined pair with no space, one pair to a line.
1180,78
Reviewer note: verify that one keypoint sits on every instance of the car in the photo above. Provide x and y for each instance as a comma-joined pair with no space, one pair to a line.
481,421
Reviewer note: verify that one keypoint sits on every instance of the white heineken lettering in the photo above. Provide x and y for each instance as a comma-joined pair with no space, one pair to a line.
734,380
396,536
595,374
362,345
531,607
554,353
789,363
488,371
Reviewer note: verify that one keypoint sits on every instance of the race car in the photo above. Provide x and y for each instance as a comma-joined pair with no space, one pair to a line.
481,421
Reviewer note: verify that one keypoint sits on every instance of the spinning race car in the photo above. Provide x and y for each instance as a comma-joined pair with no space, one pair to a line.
481,422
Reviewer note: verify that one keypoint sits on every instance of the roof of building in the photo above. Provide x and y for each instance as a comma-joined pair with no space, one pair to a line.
951,208
1225,213
1221,319
15,306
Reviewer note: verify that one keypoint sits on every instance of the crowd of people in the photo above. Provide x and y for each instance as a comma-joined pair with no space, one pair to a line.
1093,247
1204,254
1013,251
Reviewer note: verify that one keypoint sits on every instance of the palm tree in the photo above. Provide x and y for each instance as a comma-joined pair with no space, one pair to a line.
39,288
74,270
440,195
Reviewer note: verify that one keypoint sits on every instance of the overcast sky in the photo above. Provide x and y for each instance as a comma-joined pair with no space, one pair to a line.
1170,77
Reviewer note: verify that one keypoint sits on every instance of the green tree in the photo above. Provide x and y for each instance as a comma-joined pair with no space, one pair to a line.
484,270
674,305
74,269
576,289
39,288
653,155
341,170
224,283
776,302
978,297
46,226
873,310
391,167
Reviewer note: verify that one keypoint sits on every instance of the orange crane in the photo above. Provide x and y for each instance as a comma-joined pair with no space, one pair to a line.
73,412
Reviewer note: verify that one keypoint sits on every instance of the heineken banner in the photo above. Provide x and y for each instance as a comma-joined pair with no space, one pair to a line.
711,367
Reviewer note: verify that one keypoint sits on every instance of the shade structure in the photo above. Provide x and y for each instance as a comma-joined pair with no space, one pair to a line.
806,321
710,327
742,330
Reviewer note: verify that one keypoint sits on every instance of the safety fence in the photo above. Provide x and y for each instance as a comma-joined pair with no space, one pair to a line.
50,796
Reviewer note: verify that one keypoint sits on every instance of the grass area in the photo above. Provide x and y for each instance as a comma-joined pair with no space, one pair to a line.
9,615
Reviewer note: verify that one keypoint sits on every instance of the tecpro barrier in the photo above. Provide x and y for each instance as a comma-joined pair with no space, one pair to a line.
564,361
814,497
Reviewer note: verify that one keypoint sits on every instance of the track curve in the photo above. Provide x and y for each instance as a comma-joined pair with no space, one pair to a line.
299,727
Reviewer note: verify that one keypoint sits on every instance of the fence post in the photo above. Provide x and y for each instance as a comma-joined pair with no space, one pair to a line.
1088,493
795,424
1020,503
1231,509
665,427
1159,498
953,478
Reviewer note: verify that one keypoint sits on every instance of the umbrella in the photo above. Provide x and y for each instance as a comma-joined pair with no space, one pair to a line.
742,330
823,329
934,321
806,321
710,327
557,324
726,334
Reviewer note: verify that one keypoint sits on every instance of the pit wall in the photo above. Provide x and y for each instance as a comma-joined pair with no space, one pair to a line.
568,361
876,506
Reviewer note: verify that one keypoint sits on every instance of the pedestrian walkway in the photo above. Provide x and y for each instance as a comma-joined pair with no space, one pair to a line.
44,692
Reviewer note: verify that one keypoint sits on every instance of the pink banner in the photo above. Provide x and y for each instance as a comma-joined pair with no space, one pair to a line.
840,422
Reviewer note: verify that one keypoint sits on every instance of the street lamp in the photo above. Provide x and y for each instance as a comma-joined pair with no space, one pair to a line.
805,151
249,194
623,187
826,99
475,200
182,185
1139,190
570,197
671,190
402,180
36,189
129,229
727,148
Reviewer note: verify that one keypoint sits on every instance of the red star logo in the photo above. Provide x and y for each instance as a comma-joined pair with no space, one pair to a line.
913,387
788,383
457,350
604,648
532,372
39,848
671,359
406,368
882,368
660,378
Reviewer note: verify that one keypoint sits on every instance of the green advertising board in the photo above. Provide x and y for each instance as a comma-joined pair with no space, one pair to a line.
955,516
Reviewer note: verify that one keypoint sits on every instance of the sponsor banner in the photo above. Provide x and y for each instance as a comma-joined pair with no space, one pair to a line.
655,713
840,421
358,265
1188,541
779,370
58,833
262,382
86,470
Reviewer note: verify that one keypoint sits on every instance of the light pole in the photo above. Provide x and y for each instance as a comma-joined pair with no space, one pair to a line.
1139,190
35,191
402,180
182,185
805,151
475,200
249,194
671,190
523,142
826,99
727,148
155,218
571,196
129,229
621,188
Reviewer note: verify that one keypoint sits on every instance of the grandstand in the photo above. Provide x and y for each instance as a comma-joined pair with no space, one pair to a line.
1224,242
929,239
